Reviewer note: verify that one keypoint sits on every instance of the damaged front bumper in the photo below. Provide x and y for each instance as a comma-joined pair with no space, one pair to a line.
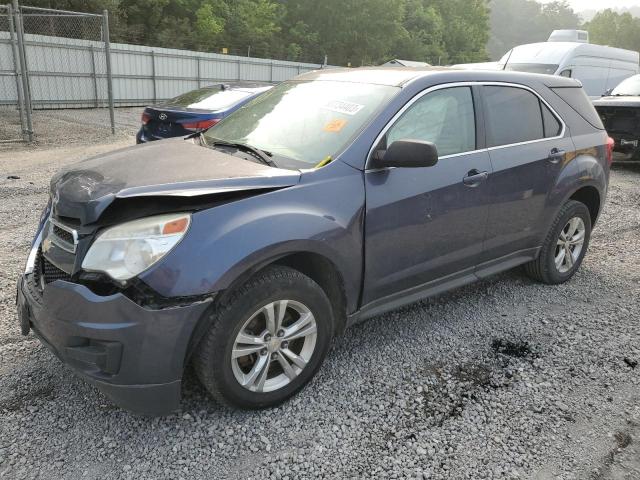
134,355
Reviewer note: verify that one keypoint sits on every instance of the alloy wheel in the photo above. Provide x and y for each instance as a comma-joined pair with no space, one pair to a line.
570,244
274,345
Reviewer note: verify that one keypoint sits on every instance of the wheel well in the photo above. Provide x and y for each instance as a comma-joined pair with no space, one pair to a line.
324,273
591,198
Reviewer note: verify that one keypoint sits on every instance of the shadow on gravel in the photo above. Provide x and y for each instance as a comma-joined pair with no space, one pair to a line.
623,440
24,397
451,388
518,349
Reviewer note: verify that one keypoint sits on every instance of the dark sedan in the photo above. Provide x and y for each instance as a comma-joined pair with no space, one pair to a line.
620,114
197,110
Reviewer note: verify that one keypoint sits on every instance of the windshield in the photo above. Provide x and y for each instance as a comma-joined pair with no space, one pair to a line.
211,98
304,121
630,86
546,68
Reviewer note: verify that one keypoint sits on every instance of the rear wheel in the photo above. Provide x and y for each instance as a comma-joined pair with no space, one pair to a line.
267,341
564,247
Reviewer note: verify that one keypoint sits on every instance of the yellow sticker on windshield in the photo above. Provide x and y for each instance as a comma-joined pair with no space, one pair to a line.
335,125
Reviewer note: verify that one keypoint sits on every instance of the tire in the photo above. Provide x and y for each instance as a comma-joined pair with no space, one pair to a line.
544,268
247,310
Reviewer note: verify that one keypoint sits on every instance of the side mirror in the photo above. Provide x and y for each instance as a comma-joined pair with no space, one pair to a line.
406,154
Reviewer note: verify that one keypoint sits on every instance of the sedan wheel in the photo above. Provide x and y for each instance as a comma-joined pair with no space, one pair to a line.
274,345
569,245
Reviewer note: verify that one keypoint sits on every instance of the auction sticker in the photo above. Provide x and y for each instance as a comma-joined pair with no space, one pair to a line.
335,125
340,106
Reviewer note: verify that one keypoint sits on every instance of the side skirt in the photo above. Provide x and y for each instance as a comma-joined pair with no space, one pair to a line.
441,285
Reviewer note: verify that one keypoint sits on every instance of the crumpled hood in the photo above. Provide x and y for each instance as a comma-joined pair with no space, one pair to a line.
173,167
617,102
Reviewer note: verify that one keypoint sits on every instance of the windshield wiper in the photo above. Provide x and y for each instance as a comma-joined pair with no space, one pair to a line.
262,155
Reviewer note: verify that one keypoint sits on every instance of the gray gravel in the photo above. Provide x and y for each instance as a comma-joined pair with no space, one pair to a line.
64,127
502,379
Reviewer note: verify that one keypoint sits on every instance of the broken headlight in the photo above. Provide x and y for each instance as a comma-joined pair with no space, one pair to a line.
127,250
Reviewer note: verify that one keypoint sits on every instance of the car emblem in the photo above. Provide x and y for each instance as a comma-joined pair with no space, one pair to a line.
162,116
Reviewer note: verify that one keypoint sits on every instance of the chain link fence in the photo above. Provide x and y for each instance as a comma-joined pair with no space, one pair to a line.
55,74
57,84
67,64
13,126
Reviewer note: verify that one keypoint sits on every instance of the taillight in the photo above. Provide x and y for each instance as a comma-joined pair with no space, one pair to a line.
609,146
201,125
145,118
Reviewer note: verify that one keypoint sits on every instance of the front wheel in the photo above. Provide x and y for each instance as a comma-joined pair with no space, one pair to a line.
267,341
564,247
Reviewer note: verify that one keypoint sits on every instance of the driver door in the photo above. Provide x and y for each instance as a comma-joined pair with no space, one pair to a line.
425,224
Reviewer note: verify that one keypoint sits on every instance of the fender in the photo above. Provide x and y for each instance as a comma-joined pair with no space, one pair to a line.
321,215
581,170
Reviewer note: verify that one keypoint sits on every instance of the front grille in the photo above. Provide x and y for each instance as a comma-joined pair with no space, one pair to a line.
46,272
63,234
52,273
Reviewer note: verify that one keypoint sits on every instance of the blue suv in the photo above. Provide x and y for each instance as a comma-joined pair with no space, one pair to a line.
327,200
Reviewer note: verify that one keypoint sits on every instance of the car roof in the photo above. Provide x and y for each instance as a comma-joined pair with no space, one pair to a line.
401,76
239,85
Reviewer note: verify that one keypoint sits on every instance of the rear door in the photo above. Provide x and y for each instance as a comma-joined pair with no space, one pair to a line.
528,145
423,224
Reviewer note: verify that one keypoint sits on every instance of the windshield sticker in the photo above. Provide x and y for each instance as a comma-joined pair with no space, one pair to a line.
340,106
335,125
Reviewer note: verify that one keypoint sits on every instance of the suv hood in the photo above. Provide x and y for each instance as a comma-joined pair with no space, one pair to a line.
164,168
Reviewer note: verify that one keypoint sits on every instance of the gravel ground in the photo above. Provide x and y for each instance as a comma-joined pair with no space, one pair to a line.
69,126
505,378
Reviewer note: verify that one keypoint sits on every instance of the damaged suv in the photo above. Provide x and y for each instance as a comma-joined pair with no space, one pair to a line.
620,114
331,198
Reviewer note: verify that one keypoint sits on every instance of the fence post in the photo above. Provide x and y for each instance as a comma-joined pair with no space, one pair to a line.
271,72
107,52
16,68
153,76
198,71
239,70
94,76
23,69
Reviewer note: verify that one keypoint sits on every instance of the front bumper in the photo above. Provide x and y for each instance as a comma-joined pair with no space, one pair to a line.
133,354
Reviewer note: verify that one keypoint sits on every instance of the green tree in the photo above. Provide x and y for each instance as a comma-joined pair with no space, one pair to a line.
615,29
518,22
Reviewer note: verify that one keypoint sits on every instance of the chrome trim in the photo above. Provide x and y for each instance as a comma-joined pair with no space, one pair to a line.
421,94
71,248
31,259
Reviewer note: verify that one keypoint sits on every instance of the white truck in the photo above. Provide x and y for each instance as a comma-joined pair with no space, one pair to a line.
568,53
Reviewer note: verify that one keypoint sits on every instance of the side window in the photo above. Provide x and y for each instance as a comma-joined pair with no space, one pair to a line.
552,127
445,117
513,115
566,73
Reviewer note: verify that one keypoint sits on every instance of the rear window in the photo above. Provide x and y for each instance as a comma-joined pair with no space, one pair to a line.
577,99
211,98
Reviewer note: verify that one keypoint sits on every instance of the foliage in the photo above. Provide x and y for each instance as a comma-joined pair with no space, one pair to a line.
517,22
356,32
615,29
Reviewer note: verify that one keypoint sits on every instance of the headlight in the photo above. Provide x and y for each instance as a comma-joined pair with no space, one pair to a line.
126,250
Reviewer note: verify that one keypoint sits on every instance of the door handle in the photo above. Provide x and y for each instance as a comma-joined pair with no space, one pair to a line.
475,178
555,155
